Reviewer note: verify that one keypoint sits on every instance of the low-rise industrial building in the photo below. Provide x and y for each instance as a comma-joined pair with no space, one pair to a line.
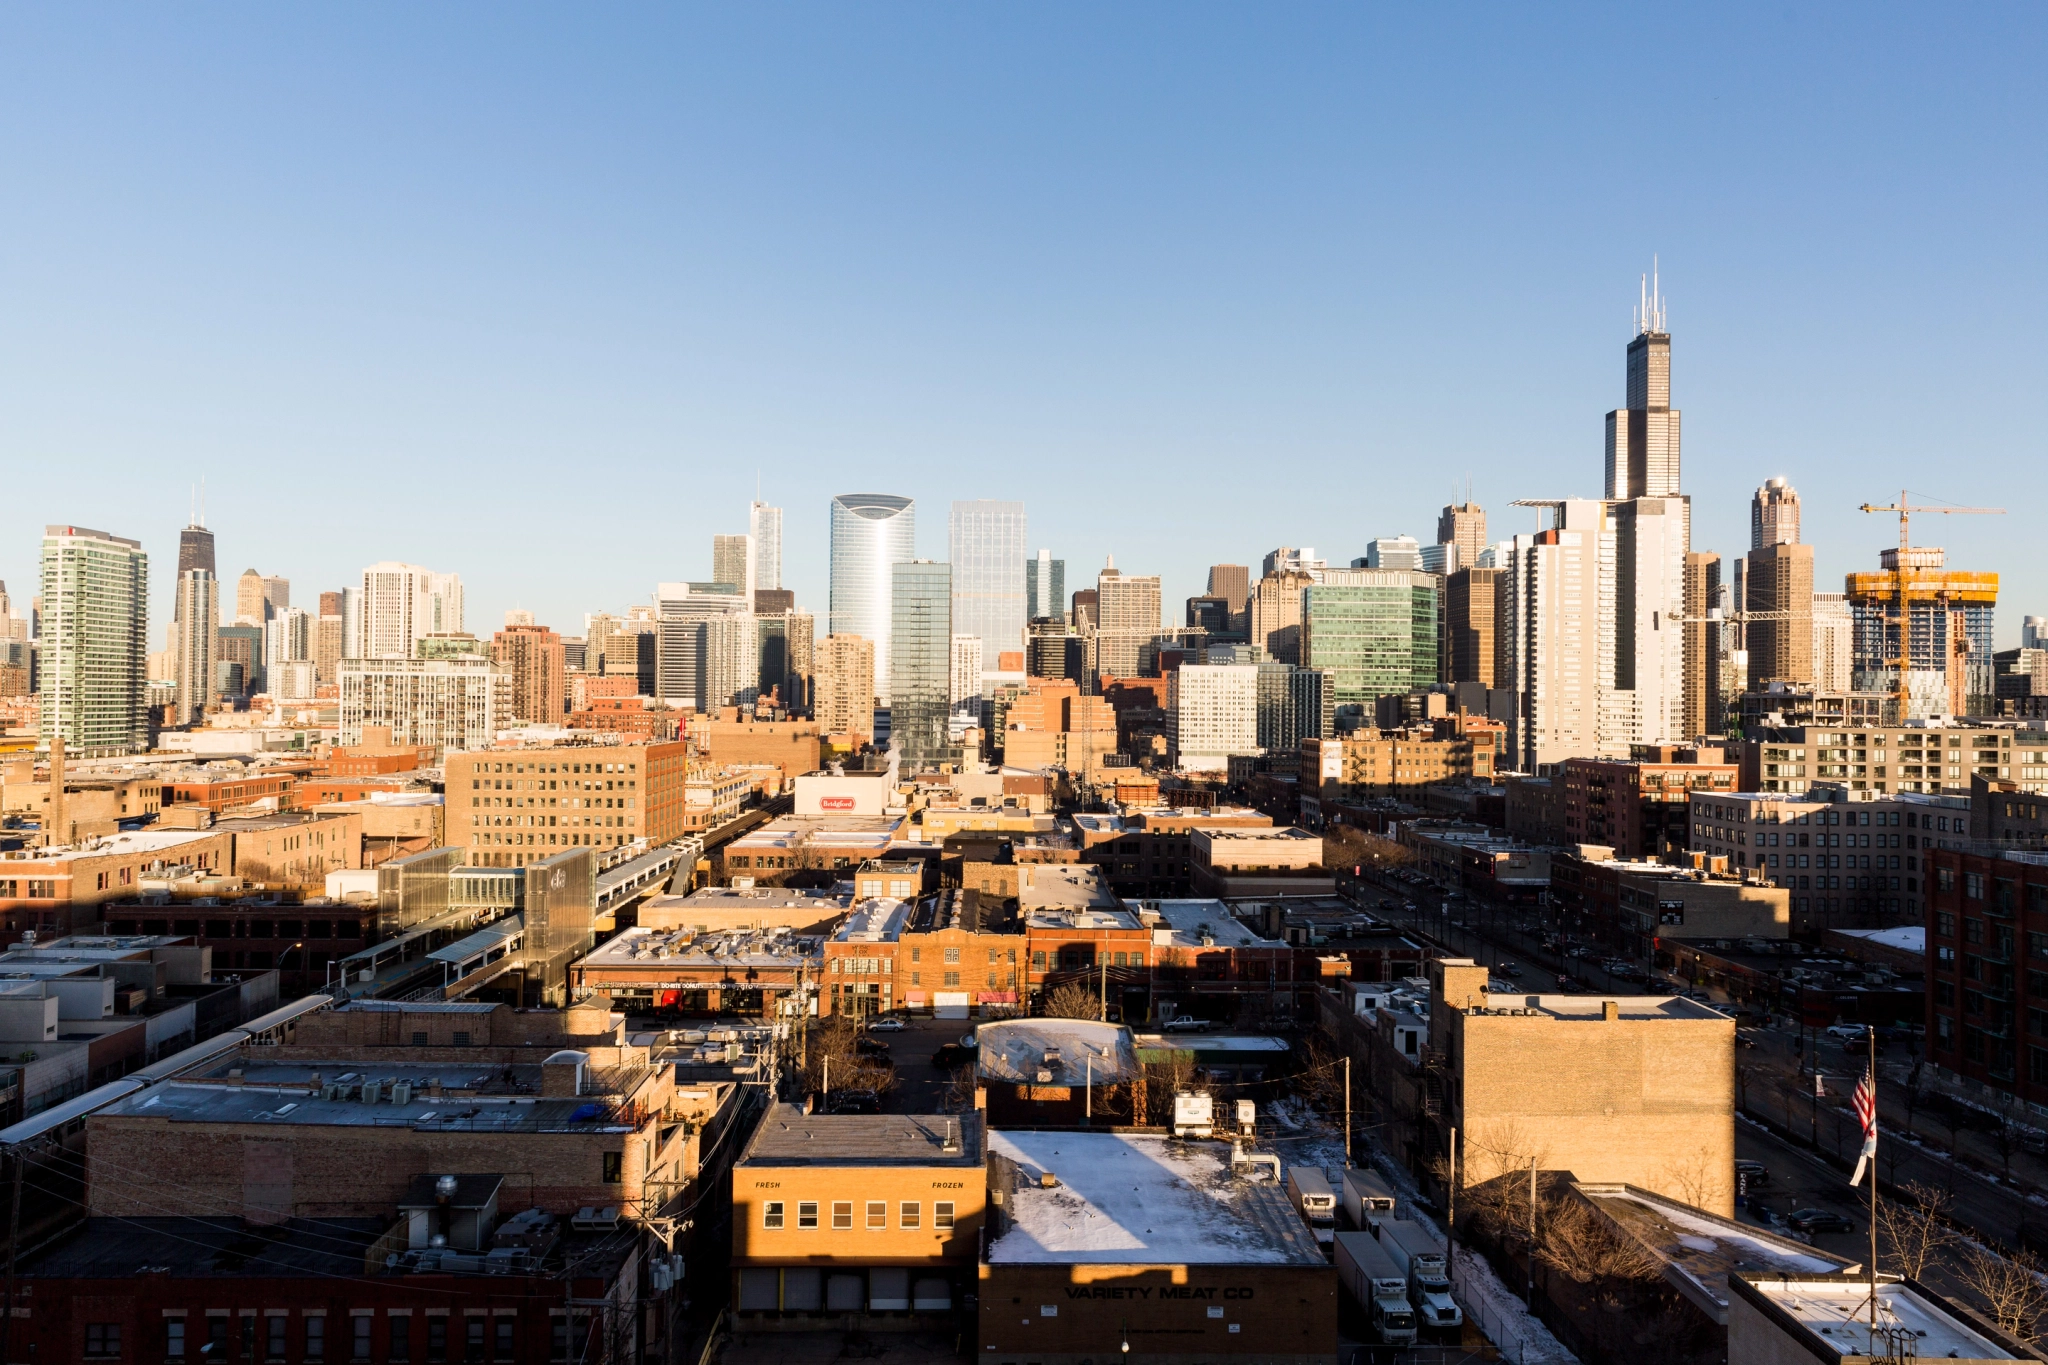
868,1218
742,970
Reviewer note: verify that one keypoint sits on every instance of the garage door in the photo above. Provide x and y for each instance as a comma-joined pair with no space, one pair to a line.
949,1004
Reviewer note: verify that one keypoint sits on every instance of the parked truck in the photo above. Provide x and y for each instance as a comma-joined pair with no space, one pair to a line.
1420,1257
1368,1199
1308,1189
1365,1269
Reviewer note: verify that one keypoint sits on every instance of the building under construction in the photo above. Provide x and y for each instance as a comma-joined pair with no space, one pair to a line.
1942,637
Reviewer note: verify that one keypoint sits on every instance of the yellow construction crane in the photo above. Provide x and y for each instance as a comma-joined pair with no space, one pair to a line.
1906,511
1954,665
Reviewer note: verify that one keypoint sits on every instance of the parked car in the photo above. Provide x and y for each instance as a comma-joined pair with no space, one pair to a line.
1754,1171
1509,970
871,1047
1847,1033
1818,1220
1186,1023
1745,1037
889,1023
952,1056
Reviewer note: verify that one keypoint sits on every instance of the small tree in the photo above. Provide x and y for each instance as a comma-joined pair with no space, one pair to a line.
2010,1288
1915,1230
1073,1001
1693,1178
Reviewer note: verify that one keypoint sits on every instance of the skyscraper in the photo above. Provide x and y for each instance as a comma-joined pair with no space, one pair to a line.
732,561
1463,524
1777,582
1469,626
1233,583
277,594
1215,711
1642,438
1275,614
533,656
920,662
400,603
195,551
1834,642
1045,586
249,604
198,644
1375,637
1392,552
1703,687
764,526
1774,515
1126,619
93,666
986,541
870,533
696,664
964,696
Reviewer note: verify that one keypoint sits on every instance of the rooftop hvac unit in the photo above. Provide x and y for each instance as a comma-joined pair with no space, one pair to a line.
596,1220
1193,1115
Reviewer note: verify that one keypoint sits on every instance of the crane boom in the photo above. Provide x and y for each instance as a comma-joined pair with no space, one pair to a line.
1906,510
1904,662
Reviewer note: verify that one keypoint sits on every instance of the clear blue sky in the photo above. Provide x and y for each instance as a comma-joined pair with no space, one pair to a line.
534,293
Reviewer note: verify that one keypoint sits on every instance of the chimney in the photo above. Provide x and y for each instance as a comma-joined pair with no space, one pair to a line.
1610,1010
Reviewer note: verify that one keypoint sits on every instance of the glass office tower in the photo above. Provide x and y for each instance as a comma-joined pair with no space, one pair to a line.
1374,638
986,542
920,663
870,533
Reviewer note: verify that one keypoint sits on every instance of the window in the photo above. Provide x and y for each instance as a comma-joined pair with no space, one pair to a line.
807,1214
273,1336
952,954
473,1338
502,1347
614,1163
174,1338
878,1214
401,1337
102,1339
1973,931
942,1214
437,1338
1945,879
1973,885
842,1215
359,1336
1945,926
771,1214
907,1215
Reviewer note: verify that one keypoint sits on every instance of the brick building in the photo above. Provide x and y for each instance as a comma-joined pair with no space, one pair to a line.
222,792
1638,807
1642,909
791,745
67,890
509,808
1987,967
534,656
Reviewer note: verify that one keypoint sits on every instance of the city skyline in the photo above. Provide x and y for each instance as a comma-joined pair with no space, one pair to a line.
242,305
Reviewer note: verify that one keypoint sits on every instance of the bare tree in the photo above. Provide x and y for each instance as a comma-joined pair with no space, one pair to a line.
1915,1230
1694,1179
1578,1243
834,1056
1073,1001
1321,1078
2010,1289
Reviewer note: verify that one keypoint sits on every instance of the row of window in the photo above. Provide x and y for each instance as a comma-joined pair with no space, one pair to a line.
909,1214
479,1338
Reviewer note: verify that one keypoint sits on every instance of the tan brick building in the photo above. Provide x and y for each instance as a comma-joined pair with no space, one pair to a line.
791,745
857,1213
843,688
295,850
1635,1089
61,891
1387,762
511,807
534,654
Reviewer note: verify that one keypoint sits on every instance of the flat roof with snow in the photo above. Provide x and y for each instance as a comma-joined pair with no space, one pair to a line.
1135,1199
1190,920
1830,1317
1911,938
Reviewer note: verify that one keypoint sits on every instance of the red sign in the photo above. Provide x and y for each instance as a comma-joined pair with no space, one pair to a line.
835,803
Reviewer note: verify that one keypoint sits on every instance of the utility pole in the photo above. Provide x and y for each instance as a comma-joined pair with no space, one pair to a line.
1347,1113
1532,1234
13,1243
1451,1191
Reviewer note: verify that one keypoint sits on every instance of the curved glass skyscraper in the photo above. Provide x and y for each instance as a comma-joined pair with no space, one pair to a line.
870,532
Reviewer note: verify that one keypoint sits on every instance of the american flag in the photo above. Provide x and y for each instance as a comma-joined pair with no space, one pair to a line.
1865,1100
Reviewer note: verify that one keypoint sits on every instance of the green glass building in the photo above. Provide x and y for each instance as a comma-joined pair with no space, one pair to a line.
1373,633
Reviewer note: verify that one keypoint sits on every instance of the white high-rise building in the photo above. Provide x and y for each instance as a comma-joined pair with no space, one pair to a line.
1392,552
397,605
871,532
2034,633
1126,620
764,528
1556,633
1215,714
1647,692
459,702
1834,642
196,640
987,542
93,668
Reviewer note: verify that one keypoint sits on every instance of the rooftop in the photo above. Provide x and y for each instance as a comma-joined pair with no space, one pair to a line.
770,947
1698,1249
751,898
127,843
787,1136
1122,1198
1590,1008
1061,917
1831,1317
1017,1051
1192,920
874,921
1070,885
284,1103
1910,938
